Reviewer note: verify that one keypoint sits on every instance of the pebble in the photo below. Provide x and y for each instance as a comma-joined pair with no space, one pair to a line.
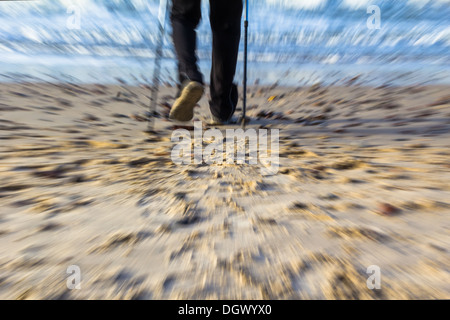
387,209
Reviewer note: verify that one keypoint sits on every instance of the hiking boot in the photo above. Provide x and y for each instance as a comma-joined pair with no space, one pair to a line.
234,97
215,121
183,107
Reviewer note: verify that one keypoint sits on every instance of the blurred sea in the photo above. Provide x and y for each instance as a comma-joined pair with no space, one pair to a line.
292,42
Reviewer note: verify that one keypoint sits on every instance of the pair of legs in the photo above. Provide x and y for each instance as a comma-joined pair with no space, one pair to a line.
225,17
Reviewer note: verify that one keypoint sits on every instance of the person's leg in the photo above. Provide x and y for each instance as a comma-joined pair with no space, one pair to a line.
225,19
185,17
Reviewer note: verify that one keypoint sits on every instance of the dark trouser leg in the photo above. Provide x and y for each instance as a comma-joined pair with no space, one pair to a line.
225,16
185,17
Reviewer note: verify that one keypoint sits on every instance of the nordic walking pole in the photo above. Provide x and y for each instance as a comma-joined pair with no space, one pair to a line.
162,15
244,107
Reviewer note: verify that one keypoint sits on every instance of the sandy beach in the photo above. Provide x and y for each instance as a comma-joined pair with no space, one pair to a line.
363,180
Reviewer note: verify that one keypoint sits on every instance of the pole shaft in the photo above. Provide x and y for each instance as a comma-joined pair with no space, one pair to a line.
162,15
244,107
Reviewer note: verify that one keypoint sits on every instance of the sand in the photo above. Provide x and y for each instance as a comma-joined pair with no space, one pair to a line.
363,180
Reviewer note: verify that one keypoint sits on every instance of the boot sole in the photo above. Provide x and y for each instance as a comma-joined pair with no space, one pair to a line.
183,108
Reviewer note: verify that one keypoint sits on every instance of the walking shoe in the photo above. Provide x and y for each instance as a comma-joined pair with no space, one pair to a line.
183,107
215,121
234,97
